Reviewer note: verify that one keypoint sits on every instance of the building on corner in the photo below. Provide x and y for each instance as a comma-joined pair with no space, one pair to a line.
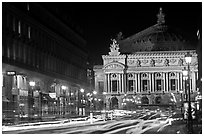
44,64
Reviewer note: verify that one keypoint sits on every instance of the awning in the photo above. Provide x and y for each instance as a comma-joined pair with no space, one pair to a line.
5,99
46,97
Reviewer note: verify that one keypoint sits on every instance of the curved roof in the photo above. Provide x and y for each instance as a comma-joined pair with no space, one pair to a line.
158,37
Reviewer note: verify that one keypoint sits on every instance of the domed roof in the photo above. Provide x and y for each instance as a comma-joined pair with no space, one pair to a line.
158,37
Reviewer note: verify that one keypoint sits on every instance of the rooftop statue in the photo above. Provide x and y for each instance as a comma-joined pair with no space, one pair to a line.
114,48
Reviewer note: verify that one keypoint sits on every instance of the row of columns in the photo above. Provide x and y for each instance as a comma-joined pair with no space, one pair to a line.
122,82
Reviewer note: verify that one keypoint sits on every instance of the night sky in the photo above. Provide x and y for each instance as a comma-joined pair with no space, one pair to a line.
102,21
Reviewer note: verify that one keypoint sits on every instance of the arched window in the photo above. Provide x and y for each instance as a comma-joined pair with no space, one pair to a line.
114,82
173,81
158,82
145,82
131,82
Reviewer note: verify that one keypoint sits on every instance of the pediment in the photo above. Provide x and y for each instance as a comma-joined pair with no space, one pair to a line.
114,65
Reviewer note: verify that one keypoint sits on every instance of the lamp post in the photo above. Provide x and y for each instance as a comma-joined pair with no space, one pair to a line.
185,77
181,92
94,92
83,109
188,58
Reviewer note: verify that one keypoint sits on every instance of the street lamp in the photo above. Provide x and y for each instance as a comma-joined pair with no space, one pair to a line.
94,92
185,78
181,92
94,100
188,58
32,83
83,109
82,90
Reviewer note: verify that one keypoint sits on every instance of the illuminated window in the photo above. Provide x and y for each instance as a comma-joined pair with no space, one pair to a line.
130,82
158,82
28,7
19,27
145,82
173,81
29,30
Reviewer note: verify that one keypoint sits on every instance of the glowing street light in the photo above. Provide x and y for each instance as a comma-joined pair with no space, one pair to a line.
82,90
32,83
94,92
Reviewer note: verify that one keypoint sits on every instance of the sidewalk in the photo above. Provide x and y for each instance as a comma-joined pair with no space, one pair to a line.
179,127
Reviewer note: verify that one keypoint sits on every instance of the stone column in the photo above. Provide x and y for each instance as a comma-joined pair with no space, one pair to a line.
119,90
122,83
125,83
139,82
178,83
105,83
96,83
167,82
181,81
150,82
136,82
153,81
164,81
108,83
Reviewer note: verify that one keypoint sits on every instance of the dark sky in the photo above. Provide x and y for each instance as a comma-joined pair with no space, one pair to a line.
101,21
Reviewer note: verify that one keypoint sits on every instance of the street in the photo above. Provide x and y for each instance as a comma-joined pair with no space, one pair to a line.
136,123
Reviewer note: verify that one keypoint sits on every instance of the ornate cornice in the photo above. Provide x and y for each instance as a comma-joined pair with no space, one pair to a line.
113,56
114,65
162,54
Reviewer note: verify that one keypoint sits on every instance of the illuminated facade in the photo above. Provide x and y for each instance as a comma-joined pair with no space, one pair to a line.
147,70
38,47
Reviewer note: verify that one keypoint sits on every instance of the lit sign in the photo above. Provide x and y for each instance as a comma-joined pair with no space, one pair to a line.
10,73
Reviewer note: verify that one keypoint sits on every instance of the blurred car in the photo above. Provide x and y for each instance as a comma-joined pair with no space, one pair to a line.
94,119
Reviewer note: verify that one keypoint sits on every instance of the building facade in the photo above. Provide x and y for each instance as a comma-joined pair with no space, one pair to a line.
44,64
146,69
